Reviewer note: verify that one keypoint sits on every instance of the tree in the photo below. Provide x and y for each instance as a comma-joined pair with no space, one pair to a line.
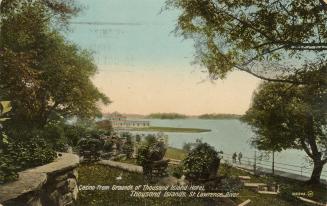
44,76
59,10
262,38
287,116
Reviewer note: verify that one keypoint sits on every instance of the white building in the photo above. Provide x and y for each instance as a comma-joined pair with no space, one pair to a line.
120,121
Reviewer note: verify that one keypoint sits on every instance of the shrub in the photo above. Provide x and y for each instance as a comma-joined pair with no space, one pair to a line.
74,133
17,155
187,147
286,194
201,163
90,148
143,153
104,124
128,147
20,155
137,138
230,184
150,139
177,171
8,170
226,169
150,156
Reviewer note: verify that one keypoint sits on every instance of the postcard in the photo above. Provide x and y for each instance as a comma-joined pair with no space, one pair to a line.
163,102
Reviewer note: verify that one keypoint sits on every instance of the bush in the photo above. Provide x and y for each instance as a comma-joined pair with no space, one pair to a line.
286,194
90,148
8,170
104,124
20,155
143,156
177,171
201,163
150,139
74,133
137,138
187,147
226,169
128,147
150,152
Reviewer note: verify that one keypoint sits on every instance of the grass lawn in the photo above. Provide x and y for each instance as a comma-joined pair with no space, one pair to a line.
175,153
319,192
91,174
171,129
105,175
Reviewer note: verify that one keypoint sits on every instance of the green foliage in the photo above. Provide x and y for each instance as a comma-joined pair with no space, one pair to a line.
74,133
137,138
142,155
93,174
150,139
279,114
90,148
8,170
201,162
50,78
92,143
20,155
246,35
177,171
128,147
286,194
104,124
226,169
292,116
167,116
150,150
46,78
187,147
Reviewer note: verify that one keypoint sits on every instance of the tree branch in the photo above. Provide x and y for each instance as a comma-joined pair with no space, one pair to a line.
306,149
269,79
242,68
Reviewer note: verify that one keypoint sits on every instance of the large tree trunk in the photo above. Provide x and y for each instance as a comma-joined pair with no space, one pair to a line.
316,172
315,154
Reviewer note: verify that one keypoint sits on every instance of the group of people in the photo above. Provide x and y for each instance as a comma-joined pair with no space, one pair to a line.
239,156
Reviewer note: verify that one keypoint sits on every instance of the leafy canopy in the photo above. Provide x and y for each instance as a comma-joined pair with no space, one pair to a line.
44,76
287,116
255,36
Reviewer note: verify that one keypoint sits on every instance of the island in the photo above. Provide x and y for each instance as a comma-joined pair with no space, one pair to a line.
167,116
219,116
170,129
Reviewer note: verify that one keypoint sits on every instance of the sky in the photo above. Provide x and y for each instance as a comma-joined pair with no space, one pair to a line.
144,67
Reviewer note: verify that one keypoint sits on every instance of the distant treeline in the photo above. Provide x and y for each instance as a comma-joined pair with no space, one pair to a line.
167,116
219,116
183,116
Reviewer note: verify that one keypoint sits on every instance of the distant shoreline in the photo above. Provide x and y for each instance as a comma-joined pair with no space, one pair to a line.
171,116
171,129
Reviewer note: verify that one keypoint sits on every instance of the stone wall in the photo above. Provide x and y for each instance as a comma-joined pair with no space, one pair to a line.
54,184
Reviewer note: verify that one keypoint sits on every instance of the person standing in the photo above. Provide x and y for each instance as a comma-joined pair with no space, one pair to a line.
240,157
234,157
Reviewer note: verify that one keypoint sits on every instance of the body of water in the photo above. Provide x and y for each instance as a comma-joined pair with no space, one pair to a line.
232,136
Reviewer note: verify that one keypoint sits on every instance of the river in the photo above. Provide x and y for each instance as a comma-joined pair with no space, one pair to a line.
231,135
